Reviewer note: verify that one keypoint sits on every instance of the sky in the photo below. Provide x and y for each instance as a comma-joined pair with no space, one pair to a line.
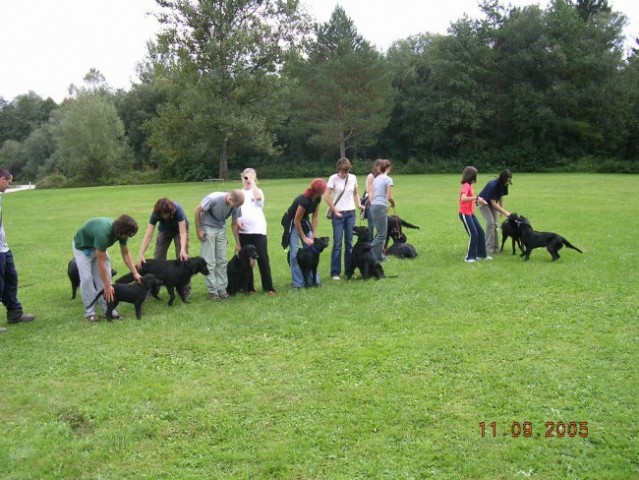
47,45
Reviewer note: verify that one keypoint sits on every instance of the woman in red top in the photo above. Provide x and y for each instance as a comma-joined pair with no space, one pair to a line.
467,200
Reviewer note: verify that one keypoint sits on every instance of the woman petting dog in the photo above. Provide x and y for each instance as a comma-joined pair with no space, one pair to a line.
253,230
342,198
467,200
380,191
493,194
300,228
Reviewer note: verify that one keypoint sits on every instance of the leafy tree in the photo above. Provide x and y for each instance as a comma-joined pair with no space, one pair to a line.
223,59
21,116
344,96
89,138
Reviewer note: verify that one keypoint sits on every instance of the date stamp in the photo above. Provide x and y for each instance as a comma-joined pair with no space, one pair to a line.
526,430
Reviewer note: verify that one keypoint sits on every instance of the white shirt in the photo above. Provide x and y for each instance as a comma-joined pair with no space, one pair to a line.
253,214
336,184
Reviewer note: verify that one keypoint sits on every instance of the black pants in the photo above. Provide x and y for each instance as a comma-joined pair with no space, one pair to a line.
260,243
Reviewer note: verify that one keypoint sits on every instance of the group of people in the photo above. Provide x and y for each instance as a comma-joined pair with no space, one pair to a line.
490,202
245,207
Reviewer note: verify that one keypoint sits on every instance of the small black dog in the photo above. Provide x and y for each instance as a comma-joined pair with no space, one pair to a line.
400,248
239,270
173,274
134,293
363,258
510,228
74,276
308,260
532,239
394,226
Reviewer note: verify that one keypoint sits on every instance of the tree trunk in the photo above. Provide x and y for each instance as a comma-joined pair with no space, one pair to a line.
223,172
342,146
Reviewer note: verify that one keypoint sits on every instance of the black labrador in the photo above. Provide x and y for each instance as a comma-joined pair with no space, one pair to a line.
239,270
74,276
134,293
363,258
173,274
394,226
510,228
400,248
308,260
531,239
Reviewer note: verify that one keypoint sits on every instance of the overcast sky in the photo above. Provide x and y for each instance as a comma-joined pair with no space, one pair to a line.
47,45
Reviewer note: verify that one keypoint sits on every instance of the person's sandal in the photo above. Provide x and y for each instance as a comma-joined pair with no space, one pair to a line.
92,318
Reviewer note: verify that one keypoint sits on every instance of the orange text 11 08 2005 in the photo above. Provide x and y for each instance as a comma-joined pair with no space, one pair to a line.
526,429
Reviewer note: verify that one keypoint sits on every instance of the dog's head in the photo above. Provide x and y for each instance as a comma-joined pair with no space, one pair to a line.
363,233
524,224
197,265
249,254
320,243
150,281
398,237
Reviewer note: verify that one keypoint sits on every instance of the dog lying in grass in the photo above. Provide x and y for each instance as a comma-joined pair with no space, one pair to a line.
239,270
363,258
308,260
531,239
510,228
134,293
400,248
74,276
394,226
173,274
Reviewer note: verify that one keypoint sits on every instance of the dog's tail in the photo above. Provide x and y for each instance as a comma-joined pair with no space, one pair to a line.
569,245
100,293
404,223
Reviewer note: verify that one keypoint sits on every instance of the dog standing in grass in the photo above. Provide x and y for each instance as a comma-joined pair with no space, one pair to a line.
532,239
308,260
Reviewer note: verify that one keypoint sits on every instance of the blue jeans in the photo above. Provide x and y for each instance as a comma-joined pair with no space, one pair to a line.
9,285
297,277
477,240
380,221
342,229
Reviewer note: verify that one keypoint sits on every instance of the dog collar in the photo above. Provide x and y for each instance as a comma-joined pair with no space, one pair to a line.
314,248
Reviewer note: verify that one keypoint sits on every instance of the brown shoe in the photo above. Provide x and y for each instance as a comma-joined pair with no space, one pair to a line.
23,317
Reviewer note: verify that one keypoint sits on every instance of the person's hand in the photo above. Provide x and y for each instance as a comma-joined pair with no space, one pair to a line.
338,214
109,293
481,201
184,256
308,241
141,261
238,247
201,235
137,277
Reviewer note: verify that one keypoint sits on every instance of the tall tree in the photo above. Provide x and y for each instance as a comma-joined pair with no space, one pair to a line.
344,94
90,141
223,59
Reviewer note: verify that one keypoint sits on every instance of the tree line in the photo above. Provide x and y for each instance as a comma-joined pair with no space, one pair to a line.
256,82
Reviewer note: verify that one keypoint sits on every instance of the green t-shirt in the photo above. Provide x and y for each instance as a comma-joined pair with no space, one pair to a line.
97,233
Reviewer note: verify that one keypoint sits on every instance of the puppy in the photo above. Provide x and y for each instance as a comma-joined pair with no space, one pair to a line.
308,260
134,293
395,225
173,274
240,270
400,248
74,276
510,228
532,239
363,258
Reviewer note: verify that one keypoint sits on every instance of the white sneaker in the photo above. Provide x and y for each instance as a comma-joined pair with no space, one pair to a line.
470,260
336,277
487,257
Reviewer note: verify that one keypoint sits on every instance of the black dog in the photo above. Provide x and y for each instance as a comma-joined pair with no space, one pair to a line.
532,239
363,258
394,226
400,248
308,260
134,293
74,276
240,270
510,228
173,274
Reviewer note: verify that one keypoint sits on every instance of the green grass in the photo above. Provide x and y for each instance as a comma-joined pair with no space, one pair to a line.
385,379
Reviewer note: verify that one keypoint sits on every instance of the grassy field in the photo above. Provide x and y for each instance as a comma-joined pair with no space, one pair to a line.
354,380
